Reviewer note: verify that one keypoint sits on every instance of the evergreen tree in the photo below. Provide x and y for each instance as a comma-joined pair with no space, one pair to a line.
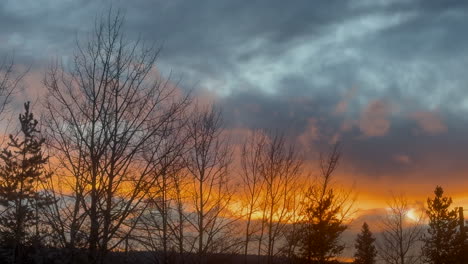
365,248
21,172
320,236
325,209
442,241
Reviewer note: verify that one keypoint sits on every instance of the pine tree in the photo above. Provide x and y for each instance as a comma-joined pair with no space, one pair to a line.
21,172
325,209
319,241
442,241
365,248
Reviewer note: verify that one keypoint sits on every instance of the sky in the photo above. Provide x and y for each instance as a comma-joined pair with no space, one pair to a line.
386,78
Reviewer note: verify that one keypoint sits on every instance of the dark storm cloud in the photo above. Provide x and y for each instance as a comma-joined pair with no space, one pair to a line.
222,41
412,150
287,66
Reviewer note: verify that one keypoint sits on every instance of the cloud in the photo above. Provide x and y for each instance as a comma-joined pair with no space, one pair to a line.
310,135
342,106
374,121
402,159
429,122
289,68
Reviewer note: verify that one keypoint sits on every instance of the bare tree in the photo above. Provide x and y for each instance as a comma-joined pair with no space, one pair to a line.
293,230
402,230
179,221
252,182
105,115
161,221
164,222
207,162
10,78
280,168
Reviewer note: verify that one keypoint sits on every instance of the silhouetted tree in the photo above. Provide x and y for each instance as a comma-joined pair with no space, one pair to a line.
108,115
252,183
279,168
179,221
10,78
442,241
401,233
21,173
366,251
292,232
160,221
324,212
210,192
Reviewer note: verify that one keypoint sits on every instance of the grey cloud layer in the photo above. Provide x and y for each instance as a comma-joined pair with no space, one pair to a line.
278,64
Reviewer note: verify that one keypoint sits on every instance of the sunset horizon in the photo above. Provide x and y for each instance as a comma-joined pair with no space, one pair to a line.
220,131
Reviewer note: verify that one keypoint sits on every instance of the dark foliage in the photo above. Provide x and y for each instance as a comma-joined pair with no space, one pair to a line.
21,173
321,231
442,242
365,248
325,208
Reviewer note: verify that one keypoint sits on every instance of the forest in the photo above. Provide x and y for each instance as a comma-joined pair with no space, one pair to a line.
117,164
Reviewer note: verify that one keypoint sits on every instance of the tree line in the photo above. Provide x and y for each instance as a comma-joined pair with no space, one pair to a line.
406,239
123,161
